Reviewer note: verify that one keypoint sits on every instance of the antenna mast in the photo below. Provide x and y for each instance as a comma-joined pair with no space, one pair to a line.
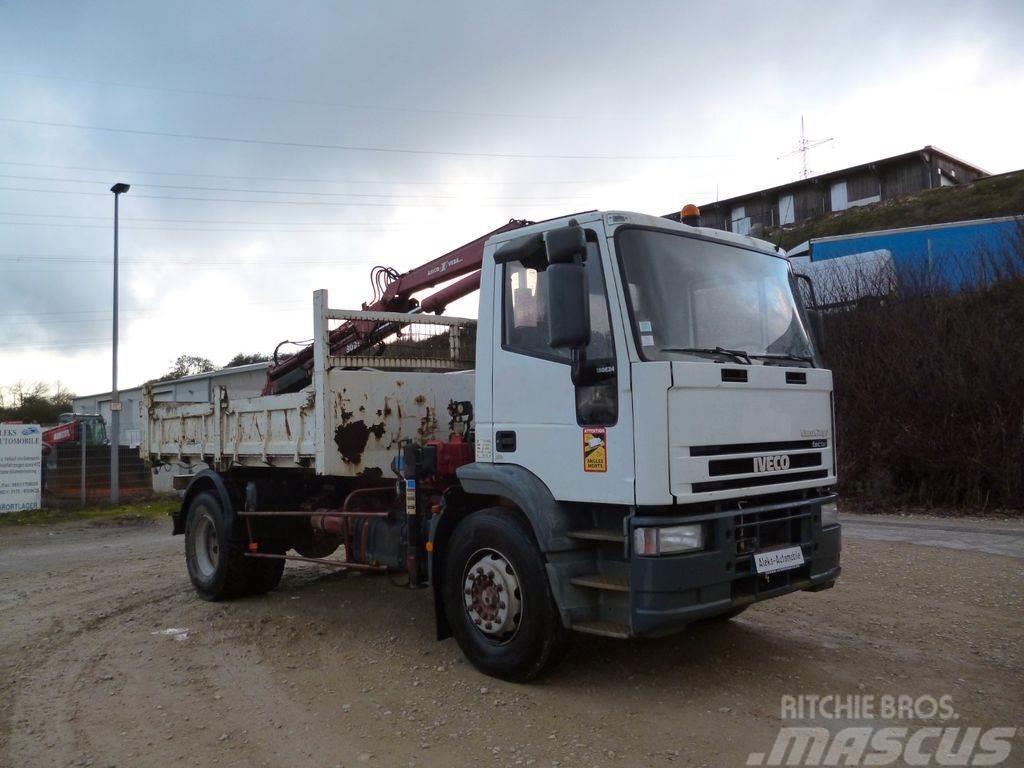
802,147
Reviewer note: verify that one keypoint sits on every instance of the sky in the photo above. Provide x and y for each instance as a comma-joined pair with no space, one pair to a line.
275,148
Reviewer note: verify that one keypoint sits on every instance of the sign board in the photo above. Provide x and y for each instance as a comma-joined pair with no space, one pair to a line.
21,464
595,449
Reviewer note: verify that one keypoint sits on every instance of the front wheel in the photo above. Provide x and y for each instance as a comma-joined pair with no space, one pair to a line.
497,598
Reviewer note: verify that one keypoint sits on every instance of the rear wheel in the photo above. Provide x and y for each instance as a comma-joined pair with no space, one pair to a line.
265,574
215,554
497,598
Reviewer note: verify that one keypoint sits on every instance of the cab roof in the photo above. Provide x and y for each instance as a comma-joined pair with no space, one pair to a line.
615,219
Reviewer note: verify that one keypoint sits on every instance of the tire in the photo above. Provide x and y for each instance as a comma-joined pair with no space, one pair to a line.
214,553
497,598
264,575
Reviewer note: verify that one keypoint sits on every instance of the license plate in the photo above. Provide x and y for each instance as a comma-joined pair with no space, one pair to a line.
775,560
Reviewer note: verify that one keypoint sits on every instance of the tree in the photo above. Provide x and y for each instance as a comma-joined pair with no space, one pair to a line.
187,365
34,403
243,359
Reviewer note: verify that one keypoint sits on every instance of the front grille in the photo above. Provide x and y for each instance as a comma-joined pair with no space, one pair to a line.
718,467
781,445
750,482
756,531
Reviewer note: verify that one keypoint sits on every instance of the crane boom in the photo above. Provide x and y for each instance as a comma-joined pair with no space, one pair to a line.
294,372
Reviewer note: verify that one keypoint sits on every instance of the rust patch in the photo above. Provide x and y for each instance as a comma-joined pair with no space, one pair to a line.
345,415
351,440
287,427
377,430
362,409
428,424
420,400
372,473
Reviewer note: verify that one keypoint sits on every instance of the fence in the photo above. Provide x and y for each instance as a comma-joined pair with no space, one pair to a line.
77,476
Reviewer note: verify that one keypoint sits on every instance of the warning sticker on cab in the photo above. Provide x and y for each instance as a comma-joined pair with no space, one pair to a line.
595,449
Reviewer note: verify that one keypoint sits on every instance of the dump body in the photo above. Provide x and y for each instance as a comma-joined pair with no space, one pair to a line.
348,423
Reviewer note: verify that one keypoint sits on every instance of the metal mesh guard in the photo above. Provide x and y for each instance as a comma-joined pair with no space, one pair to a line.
407,341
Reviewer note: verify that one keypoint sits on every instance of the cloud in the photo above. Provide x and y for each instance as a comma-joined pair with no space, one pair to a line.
728,81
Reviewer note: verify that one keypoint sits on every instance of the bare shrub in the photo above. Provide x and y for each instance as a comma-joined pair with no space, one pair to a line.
929,378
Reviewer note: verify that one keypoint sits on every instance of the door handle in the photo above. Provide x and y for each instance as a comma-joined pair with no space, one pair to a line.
505,441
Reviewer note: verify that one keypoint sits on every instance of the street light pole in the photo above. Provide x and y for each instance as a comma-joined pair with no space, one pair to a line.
115,400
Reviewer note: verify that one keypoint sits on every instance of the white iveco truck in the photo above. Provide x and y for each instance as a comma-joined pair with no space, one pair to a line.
635,434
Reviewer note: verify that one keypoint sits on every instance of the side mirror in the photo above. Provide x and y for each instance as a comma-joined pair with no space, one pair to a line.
565,244
568,304
568,307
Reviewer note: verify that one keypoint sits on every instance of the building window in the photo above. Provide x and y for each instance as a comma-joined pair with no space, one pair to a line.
786,215
740,222
840,202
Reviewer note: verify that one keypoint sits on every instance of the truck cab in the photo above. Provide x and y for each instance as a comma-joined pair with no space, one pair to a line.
659,392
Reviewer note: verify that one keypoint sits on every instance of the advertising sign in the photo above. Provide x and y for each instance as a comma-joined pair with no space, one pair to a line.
20,467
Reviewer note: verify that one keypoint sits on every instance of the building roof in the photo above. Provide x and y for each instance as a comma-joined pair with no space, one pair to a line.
193,377
833,174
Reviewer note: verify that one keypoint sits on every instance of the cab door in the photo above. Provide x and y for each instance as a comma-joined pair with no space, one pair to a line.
577,440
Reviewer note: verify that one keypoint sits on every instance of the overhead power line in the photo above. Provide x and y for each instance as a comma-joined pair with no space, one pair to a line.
162,220
108,312
344,147
243,190
292,179
324,230
35,322
270,202
58,260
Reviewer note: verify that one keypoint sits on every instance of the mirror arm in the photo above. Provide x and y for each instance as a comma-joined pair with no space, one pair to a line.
810,287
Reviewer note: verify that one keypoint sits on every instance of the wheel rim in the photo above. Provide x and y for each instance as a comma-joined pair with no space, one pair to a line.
206,545
492,595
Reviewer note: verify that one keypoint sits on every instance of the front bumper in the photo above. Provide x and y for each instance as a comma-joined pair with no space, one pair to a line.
669,592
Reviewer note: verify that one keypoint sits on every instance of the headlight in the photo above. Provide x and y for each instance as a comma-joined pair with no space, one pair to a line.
829,514
670,540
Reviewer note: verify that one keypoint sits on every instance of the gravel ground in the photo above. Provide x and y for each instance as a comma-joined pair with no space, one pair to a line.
108,659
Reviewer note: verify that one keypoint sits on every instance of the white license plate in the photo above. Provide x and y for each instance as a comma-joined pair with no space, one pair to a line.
775,560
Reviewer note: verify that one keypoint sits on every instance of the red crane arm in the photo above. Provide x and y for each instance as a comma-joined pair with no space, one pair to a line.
293,372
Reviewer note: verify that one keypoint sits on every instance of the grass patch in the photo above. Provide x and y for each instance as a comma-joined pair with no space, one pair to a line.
986,198
138,510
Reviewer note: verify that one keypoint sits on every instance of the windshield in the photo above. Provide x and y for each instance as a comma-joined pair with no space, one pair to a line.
686,293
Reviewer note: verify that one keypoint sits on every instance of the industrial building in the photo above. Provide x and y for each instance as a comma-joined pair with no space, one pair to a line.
798,201
240,381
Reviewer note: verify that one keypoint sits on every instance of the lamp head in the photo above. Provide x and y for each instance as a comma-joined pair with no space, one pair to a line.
120,188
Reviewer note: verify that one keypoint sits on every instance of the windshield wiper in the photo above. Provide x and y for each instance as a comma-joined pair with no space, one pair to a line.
784,356
735,354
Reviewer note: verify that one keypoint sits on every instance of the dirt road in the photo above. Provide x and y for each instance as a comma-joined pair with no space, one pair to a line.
108,659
